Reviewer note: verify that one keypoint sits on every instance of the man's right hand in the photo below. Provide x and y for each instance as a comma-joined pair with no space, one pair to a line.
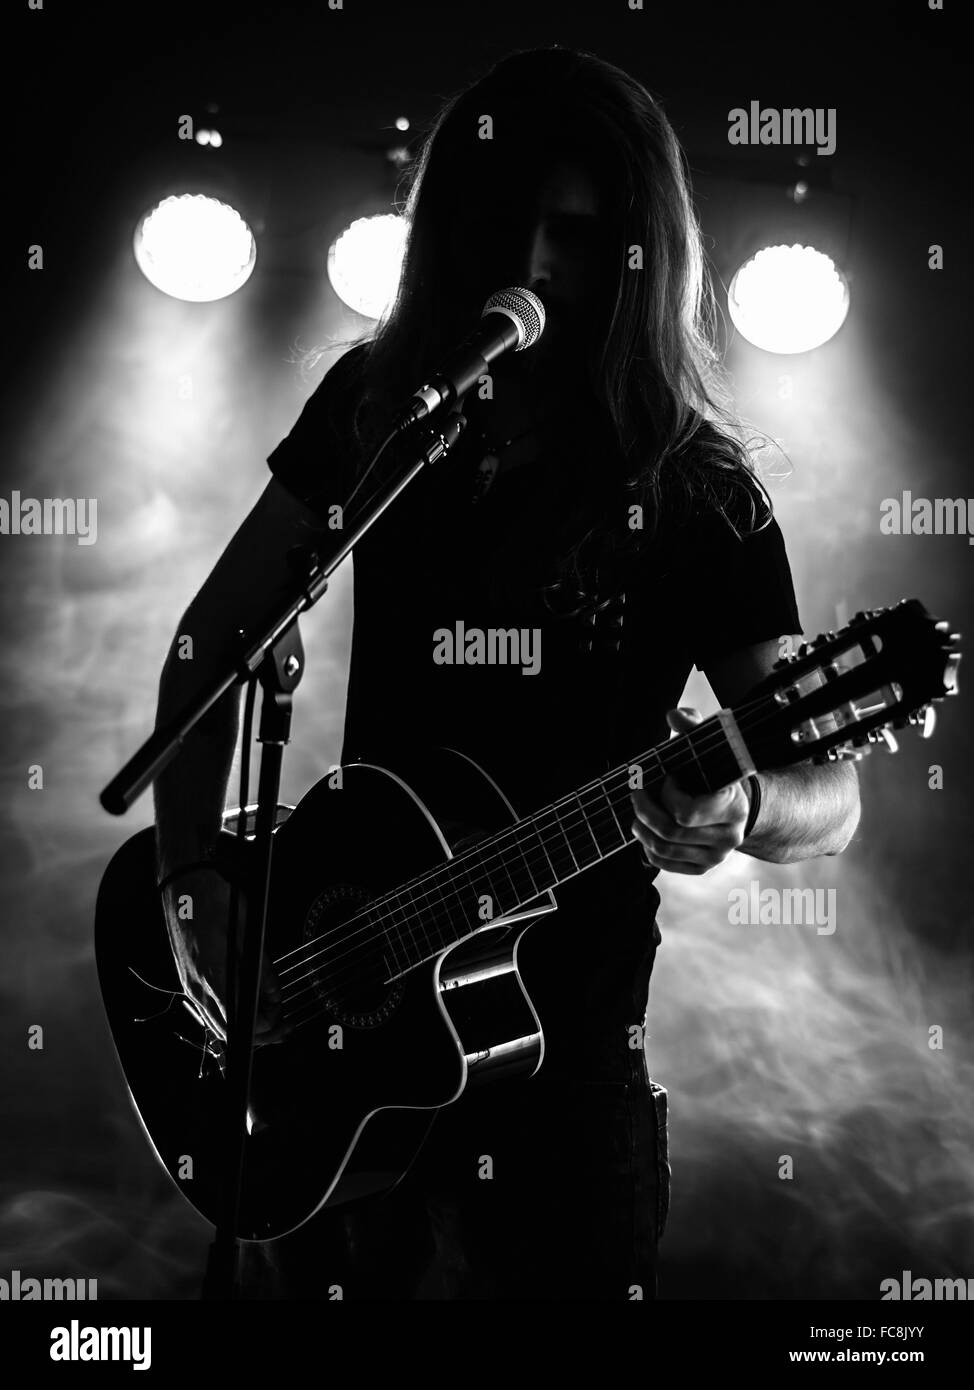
200,947
250,585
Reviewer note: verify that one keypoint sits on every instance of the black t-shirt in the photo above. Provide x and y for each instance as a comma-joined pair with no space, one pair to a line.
446,552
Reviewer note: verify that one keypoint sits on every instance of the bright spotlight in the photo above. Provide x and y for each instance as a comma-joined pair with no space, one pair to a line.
196,248
365,262
402,122
788,299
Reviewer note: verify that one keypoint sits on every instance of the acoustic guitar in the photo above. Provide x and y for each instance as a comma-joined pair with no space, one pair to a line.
399,971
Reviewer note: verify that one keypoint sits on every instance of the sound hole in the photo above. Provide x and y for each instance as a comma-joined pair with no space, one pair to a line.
349,972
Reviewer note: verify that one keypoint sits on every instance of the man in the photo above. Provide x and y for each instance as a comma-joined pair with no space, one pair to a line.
596,503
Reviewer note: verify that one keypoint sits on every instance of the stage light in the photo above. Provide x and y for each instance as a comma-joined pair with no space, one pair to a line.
196,248
402,122
365,262
788,299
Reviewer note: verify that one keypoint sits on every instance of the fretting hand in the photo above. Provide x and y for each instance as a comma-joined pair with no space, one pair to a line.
689,834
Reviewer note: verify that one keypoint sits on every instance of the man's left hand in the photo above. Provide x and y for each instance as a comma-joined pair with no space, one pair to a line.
689,834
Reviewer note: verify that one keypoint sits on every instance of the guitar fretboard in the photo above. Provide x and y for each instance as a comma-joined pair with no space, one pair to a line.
514,866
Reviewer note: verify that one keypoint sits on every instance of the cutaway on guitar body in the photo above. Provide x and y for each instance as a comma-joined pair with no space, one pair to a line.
390,1017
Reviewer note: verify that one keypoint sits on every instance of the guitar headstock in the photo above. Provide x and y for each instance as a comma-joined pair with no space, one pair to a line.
843,692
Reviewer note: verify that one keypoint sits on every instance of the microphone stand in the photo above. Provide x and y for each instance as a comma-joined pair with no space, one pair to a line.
277,656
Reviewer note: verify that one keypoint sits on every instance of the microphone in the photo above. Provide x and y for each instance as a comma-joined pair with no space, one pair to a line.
513,319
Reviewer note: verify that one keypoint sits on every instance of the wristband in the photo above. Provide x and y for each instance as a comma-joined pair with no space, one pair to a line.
752,814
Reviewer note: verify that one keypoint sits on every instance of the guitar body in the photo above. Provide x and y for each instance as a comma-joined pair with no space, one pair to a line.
338,1110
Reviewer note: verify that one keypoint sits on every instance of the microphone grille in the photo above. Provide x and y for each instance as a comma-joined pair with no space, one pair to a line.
525,308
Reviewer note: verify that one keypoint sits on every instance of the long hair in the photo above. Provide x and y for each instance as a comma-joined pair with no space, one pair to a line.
659,396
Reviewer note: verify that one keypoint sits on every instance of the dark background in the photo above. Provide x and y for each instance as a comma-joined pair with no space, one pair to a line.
771,1040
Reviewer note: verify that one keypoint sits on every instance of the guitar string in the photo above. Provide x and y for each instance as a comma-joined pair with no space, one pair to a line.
295,1020
454,898
571,823
474,865
600,785
338,983
713,738
308,984
537,858
578,818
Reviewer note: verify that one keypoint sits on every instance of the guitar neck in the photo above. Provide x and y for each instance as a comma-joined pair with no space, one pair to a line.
512,868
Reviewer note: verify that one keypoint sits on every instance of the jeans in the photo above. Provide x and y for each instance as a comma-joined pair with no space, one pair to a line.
529,1189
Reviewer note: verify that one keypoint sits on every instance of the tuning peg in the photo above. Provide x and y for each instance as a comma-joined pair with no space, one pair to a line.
841,753
885,737
944,626
924,718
